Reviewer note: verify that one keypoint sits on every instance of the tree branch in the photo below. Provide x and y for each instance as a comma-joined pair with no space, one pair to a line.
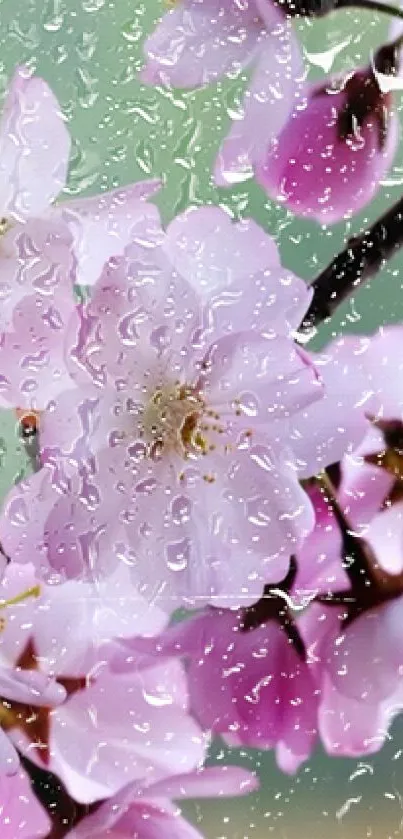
64,812
360,260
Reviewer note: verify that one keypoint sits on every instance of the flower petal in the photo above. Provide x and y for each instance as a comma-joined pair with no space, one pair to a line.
274,89
36,287
235,269
253,380
34,148
323,433
200,40
148,819
21,814
9,765
348,732
146,734
103,225
207,782
316,172
141,322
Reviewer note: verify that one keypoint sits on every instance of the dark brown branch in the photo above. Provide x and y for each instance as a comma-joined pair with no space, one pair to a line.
320,8
272,606
361,259
372,6
63,811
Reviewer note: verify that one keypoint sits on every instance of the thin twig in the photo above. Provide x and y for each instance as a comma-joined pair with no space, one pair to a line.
357,263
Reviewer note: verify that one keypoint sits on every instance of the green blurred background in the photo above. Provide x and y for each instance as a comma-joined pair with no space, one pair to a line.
90,52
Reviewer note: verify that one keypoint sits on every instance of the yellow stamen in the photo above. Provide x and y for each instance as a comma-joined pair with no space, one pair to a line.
19,598
5,225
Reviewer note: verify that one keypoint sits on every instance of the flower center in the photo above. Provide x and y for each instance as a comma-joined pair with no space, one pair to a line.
5,225
173,421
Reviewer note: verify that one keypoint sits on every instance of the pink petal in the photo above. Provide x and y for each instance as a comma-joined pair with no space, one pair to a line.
199,41
102,226
21,814
299,724
253,380
9,765
364,661
207,782
140,320
319,559
61,521
31,687
349,729
143,809
23,519
236,271
148,820
219,540
210,250
324,432
146,734
75,619
34,148
36,286
385,536
314,171
82,422
364,486
267,105
268,510
385,365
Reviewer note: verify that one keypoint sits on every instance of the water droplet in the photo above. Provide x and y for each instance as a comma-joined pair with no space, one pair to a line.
181,509
127,329
178,555
17,511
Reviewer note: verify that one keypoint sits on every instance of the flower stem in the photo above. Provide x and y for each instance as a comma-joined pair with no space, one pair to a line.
358,262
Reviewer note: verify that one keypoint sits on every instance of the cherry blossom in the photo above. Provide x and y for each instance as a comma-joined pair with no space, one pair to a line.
329,159
93,745
181,407
200,41
34,156
250,685
353,560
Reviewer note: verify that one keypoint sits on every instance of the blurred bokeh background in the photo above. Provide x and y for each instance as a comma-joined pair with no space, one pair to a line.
90,52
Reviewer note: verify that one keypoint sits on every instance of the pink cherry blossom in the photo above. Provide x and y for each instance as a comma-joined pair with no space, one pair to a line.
355,642
147,812
94,745
171,451
253,687
21,814
329,159
34,155
200,41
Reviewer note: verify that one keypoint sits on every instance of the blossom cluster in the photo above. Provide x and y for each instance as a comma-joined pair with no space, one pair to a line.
191,453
